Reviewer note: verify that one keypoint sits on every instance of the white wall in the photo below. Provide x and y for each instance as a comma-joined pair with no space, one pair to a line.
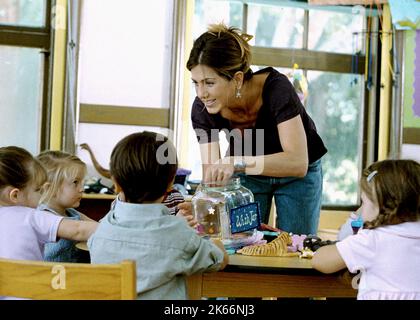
410,151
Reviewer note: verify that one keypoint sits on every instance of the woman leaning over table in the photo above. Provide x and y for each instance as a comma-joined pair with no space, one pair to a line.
273,143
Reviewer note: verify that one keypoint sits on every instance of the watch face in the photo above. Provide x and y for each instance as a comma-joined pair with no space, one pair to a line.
239,165
238,161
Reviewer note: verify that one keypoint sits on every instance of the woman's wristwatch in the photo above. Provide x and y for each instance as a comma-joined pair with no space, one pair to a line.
239,164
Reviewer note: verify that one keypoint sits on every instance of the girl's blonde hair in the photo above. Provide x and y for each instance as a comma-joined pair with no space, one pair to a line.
394,186
60,166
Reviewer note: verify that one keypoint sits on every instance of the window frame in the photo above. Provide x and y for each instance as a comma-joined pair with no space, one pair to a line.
140,115
41,38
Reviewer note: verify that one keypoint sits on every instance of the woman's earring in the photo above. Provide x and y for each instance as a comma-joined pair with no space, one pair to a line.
238,93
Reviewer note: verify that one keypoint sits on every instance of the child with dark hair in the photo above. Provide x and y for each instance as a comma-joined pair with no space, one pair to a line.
24,231
387,249
139,226
173,199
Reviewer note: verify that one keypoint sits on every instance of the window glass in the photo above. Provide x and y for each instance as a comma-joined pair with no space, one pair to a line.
20,97
334,103
212,12
274,26
29,13
335,32
125,53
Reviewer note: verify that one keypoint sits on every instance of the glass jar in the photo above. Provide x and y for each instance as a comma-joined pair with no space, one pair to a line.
212,204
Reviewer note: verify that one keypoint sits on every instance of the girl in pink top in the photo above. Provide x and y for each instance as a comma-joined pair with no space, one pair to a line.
24,231
387,250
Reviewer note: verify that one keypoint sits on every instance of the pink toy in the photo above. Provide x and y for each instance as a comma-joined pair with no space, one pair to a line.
297,243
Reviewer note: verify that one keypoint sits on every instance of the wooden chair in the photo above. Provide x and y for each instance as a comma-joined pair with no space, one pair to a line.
68,281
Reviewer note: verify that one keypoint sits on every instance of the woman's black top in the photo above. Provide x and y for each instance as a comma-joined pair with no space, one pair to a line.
280,103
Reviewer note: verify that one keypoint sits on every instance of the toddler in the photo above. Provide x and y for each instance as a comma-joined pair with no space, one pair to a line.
62,195
173,199
387,249
140,227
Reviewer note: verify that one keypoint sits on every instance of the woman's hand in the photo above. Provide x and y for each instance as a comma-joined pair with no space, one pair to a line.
221,171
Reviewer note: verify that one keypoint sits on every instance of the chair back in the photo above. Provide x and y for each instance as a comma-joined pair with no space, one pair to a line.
68,281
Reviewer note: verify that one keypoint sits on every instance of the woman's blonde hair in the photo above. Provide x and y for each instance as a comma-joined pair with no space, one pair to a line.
224,49
394,186
60,166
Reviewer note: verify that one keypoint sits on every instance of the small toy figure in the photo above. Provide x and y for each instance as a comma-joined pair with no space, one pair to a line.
98,187
314,243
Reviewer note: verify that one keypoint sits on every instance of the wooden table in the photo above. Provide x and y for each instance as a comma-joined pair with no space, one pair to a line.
247,276
95,205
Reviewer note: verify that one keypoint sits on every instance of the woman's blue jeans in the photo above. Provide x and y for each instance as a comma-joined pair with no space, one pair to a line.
298,200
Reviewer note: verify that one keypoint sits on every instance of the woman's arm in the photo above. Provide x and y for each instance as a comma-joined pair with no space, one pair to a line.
76,230
212,169
293,161
327,259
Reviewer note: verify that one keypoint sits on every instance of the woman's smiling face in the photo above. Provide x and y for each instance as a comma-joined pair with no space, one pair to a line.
213,90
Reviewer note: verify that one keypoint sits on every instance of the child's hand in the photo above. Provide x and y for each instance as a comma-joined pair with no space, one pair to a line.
190,220
220,245
185,210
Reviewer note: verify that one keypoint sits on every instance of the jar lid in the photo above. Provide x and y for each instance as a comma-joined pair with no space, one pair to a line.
232,183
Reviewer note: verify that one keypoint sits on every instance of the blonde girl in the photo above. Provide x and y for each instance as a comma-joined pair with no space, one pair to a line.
63,193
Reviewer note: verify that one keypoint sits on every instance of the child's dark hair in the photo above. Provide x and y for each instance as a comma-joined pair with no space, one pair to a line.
394,185
144,165
18,168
